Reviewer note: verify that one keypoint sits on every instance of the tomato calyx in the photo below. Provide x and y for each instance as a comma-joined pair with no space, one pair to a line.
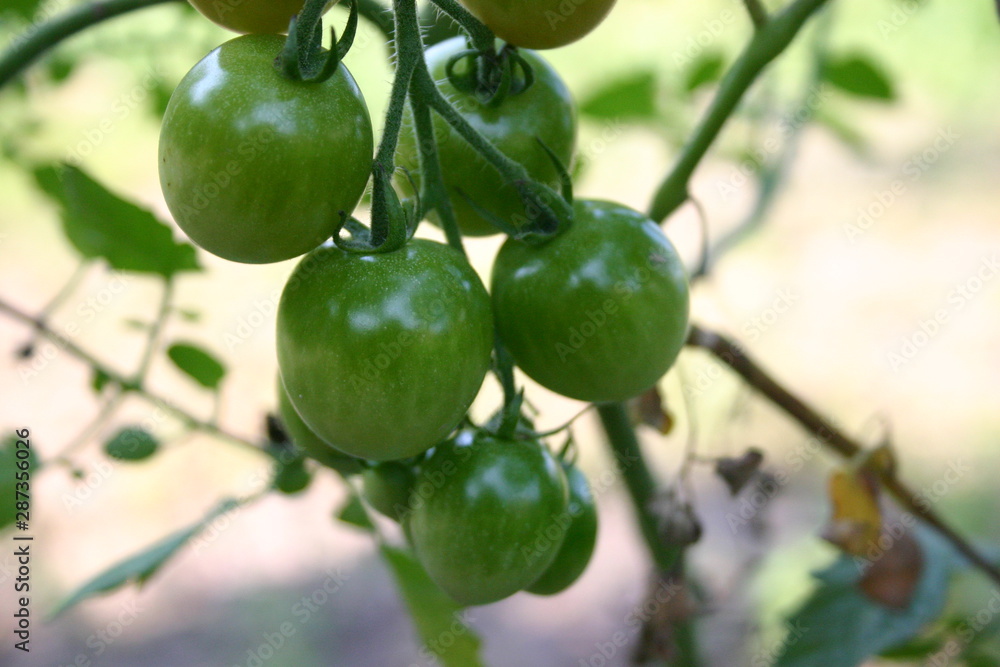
491,75
394,221
303,57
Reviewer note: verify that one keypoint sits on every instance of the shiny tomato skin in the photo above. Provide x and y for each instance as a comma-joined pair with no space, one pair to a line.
256,168
382,354
480,515
580,537
544,111
310,443
540,24
598,313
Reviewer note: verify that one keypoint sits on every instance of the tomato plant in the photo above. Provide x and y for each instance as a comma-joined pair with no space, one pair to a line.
256,168
382,354
251,16
482,514
310,443
544,112
600,312
540,24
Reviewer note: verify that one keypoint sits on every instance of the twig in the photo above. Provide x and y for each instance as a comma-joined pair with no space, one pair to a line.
758,14
766,45
733,356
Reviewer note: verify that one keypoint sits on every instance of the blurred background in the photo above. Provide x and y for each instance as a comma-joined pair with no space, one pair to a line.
884,215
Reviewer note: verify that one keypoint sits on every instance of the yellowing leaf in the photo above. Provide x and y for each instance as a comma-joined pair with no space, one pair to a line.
856,522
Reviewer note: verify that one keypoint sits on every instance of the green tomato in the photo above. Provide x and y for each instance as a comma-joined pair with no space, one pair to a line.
253,16
598,313
484,517
382,354
291,477
580,527
387,488
310,443
257,168
544,111
540,24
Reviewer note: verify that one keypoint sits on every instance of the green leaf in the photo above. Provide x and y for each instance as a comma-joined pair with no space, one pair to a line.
840,627
131,443
705,70
99,381
860,76
140,567
632,97
437,617
354,513
100,224
205,369
26,9
8,468
851,137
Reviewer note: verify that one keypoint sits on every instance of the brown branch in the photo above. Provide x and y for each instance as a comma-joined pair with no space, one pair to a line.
733,356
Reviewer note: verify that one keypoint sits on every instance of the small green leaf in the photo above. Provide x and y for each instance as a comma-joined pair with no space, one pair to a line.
8,468
189,315
631,97
354,513
703,71
850,136
140,567
100,224
860,76
131,443
99,381
838,610
205,369
437,617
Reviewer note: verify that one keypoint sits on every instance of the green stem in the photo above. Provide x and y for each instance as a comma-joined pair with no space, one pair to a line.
379,15
153,340
767,43
482,37
758,14
124,383
26,49
434,192
639,480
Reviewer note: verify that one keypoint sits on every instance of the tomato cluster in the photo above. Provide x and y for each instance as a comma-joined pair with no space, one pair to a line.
381,350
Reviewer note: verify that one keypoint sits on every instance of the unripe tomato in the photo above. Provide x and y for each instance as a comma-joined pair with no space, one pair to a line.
544,111
251,16
484,517
310,443
598,313
581,535
257,168
540,24
387,488
382,354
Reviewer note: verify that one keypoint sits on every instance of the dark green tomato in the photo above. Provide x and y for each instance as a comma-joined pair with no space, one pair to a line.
598,313
484,517
540,24
579,524
310,443
257,168
387,488
544,111
382,354
253,16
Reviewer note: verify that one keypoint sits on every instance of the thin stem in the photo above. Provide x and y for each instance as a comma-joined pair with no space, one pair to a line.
482,37
64,293
153,339
730,354
379,15
638,479
758,14
39,39
124,383
766,44
434,192
107,411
